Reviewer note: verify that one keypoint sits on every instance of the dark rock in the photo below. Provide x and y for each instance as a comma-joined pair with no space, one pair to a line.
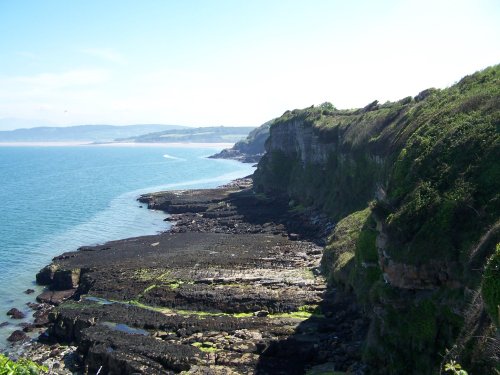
227,253
33,305
107,348
55,297
41,317
65,279
261,314
46,274
29,291
27,327
16,314
17,336
4,324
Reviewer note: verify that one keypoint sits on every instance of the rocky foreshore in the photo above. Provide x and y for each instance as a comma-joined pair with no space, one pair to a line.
233,288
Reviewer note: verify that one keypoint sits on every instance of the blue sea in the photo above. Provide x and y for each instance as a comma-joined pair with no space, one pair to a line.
55,199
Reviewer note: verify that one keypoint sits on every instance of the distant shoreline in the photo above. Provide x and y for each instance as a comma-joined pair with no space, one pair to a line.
117,144
44,144
166,144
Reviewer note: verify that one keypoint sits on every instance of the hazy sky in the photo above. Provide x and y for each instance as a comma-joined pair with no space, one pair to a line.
232,62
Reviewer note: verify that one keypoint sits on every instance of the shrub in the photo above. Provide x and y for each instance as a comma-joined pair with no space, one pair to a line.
20,367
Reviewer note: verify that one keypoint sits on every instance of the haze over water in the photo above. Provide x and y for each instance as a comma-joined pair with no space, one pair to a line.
55,199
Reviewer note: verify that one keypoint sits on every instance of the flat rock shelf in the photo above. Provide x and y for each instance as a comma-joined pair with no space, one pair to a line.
233,288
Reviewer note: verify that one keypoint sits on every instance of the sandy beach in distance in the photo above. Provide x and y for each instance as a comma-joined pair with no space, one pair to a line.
117,144
166,144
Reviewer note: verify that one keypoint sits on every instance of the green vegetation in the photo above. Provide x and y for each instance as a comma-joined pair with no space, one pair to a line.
303,312
198,313
455,368
161,278
432,163
444,185
350,257
254,142
491,286
22,366
152,274
207,134
206,347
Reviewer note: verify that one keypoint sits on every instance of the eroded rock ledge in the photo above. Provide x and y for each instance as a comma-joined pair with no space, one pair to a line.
233,288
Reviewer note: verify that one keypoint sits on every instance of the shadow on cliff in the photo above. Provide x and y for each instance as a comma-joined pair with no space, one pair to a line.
275,211
330,340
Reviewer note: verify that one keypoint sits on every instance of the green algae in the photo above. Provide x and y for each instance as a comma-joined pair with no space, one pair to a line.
206,347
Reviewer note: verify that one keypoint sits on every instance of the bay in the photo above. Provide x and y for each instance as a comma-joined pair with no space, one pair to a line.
55,199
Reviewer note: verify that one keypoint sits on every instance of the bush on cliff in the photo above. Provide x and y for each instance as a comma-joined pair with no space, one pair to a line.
350,257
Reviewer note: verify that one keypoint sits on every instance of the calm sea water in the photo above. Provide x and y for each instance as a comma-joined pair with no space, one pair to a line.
55,199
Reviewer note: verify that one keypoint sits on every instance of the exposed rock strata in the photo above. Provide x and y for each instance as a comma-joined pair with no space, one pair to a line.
233,288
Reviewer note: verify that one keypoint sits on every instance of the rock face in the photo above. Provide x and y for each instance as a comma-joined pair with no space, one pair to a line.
56,297
333,171
415,253
249,150
226,291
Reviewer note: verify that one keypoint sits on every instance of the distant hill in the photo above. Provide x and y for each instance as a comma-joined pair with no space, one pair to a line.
214,134
12,123
83,133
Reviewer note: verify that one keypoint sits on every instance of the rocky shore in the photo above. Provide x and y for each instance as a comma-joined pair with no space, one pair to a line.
233,288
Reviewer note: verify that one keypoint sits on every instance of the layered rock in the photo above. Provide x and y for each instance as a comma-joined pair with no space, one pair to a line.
233,288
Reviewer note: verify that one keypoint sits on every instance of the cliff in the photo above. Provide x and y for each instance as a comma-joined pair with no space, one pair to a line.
248,150
414,186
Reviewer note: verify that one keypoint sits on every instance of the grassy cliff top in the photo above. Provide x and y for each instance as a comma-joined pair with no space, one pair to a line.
390,124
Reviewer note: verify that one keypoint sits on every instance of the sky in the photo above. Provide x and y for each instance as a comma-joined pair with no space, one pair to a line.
229,62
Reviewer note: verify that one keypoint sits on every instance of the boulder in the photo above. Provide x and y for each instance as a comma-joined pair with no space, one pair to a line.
17,336
46,274
55,297
16,314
